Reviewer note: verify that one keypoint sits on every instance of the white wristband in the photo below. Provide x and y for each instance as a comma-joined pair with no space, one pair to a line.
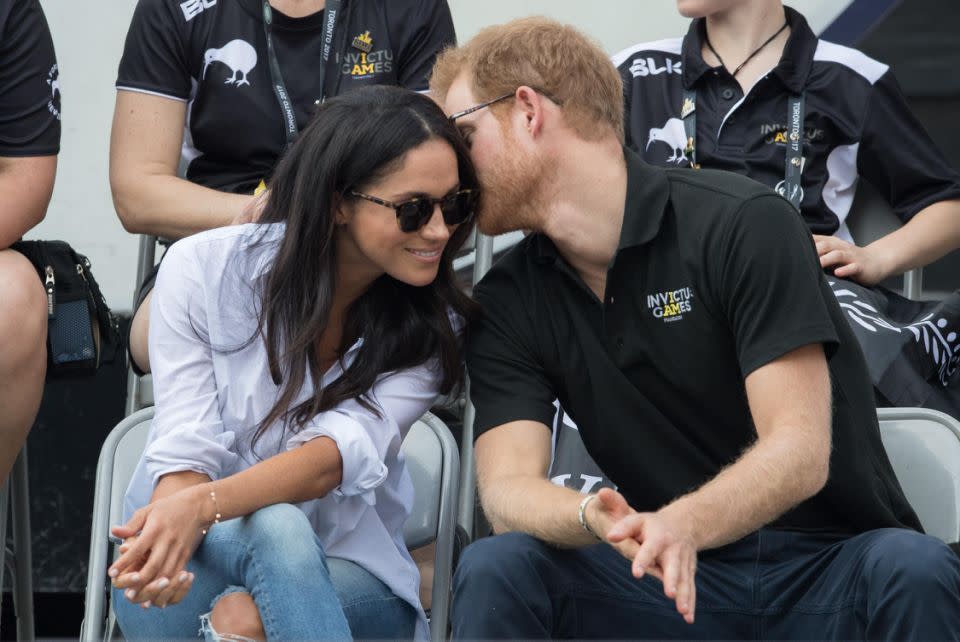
582,516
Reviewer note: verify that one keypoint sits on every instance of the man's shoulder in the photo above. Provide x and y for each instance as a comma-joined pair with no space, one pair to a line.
624,59
712,191
511,272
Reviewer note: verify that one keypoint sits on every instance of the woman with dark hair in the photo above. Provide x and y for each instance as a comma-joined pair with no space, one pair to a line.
290,358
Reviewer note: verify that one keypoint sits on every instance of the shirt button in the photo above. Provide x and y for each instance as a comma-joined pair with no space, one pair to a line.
727,93
611,301
620,342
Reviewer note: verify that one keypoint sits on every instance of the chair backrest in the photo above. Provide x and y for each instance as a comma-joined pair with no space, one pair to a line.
431,455
924,448
424,455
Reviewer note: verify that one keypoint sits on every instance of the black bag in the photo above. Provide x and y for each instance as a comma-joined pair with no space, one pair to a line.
82,333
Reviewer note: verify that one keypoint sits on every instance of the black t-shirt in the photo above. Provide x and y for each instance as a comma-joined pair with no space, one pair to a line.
29,82
857,123
213,55
715,276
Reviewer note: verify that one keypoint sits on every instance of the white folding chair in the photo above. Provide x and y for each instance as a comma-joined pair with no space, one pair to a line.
431,454
924,447
139,390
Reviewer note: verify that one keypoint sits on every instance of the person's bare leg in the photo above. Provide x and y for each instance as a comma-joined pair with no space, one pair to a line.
139,326
236,614
424,557
23,353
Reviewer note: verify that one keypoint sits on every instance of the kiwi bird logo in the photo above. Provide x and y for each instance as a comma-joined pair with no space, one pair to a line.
673,134
54,87
238,55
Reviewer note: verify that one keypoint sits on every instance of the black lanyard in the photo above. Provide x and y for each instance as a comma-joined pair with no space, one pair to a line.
332,9
790,188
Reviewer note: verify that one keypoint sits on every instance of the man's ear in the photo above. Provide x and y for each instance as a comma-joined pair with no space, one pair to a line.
532,106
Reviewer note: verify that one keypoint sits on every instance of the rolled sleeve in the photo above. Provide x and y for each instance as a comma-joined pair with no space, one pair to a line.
187,432
368,441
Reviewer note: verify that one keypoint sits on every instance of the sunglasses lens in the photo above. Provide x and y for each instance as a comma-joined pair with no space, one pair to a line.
413,215
458,207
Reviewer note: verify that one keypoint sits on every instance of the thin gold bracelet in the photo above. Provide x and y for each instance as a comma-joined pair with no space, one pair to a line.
216,508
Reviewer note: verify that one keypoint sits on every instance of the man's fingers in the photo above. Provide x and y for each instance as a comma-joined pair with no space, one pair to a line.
613,502
629,526
647,556
692,600
670,561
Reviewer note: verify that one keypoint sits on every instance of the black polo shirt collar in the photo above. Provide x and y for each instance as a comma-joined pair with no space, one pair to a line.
647,194
794,66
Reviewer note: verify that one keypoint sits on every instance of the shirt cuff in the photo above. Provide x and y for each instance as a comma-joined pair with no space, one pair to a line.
363,468
189,449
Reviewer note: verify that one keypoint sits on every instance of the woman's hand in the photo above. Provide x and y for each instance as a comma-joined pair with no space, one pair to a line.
160,538
849,261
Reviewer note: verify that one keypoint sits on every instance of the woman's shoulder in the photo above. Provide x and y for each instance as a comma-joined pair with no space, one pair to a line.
214,251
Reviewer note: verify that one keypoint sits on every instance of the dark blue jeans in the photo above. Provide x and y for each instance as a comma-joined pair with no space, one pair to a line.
884,584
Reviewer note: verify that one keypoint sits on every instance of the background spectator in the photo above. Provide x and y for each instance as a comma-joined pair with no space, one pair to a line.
29,144
197,84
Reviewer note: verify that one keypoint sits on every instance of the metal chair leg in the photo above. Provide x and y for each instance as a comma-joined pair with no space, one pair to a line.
4,507
23,556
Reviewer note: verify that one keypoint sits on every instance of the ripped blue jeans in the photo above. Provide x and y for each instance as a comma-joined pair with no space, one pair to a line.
300,593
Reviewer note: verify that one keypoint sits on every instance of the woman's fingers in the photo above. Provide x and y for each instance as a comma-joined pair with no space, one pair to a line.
175,591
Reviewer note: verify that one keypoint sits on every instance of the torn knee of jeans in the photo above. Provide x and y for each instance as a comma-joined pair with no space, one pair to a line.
209,633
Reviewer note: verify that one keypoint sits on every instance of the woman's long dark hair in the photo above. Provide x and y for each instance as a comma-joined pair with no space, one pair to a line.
353,140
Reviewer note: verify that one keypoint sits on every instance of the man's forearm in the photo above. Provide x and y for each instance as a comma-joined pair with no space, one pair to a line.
932,233
535,506
774,475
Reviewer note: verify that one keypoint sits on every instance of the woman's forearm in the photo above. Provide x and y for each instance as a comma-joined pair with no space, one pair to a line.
304,473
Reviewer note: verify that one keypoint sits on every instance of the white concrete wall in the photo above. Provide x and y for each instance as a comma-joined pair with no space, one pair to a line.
89,39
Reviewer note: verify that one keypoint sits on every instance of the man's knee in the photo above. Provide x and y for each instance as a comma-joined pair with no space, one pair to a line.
500,560
918,566
236,614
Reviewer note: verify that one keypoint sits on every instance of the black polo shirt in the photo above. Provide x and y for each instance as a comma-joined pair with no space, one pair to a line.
29,82
857,123
714,277
213,55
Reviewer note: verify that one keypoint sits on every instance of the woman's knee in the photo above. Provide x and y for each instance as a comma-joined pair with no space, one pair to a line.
236,614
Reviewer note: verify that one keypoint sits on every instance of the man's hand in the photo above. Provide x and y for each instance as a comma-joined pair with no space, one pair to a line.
850,261
656,543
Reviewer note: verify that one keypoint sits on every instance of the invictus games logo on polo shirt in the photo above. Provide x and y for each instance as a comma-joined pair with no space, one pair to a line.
365,62
671,305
